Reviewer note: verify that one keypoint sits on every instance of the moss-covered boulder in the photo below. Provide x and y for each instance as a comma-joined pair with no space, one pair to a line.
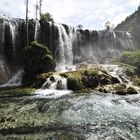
38,59
131,90
88,78
74,81
120,89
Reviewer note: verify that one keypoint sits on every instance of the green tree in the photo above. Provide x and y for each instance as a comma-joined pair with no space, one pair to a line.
27,4
109,26
79,26
46,17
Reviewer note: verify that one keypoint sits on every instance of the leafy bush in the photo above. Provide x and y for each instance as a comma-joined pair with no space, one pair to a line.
46,17
132,58
38,59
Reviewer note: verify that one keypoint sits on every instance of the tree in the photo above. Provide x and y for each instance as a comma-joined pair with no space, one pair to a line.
80,26
37,9
109,26
27,4
46,17
40,5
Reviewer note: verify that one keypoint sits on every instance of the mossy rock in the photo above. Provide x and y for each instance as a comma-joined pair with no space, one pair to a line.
38,59
120,89
131,90
74,81
136,81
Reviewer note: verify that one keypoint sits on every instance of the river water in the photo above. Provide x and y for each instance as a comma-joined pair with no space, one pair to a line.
88,116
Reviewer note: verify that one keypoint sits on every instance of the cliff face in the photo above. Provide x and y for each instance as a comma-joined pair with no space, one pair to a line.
132,25
67,44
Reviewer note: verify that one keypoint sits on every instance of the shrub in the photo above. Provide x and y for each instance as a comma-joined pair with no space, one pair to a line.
132,58
46,17
38,59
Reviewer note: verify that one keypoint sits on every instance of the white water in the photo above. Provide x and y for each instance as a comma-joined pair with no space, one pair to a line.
4,71
54,87
105,116
52,93
119,73
64,52
37,29
15,81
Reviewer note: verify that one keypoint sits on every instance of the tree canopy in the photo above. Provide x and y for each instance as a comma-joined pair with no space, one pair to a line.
46,17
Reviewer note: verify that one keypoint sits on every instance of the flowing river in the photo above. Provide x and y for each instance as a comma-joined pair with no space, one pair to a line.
88,116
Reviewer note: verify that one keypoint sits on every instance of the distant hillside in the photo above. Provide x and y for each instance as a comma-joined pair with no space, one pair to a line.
132,25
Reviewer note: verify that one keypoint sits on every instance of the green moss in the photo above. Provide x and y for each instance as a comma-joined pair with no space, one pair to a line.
91,71
120,89
74,82
65,75
136,81
131,90
17,91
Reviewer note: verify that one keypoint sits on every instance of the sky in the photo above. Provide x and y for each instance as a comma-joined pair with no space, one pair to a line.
92,14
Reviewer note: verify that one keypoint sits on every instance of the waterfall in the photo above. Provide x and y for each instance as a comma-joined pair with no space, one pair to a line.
15,81
37,29
54,87
100,46
55,82
68,45
64,52
12,42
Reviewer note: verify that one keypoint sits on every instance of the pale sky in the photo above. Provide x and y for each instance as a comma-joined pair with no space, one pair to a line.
92,14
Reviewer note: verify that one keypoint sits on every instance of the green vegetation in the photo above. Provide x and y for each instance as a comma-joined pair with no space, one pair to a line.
132,58
38,59
136,80
131,24
74,81
89,78
131,90
46,17
120,89
16,91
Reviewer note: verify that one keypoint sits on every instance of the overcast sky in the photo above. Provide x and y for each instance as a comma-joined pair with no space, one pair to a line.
91,14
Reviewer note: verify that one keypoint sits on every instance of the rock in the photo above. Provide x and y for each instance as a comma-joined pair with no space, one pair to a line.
120,89
131,90
59,85
74,82
52,79
114,80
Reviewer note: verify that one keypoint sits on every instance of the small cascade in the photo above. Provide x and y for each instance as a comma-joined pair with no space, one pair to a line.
13,32
54,87
15,81
55,82
118,72
37,29
5,73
